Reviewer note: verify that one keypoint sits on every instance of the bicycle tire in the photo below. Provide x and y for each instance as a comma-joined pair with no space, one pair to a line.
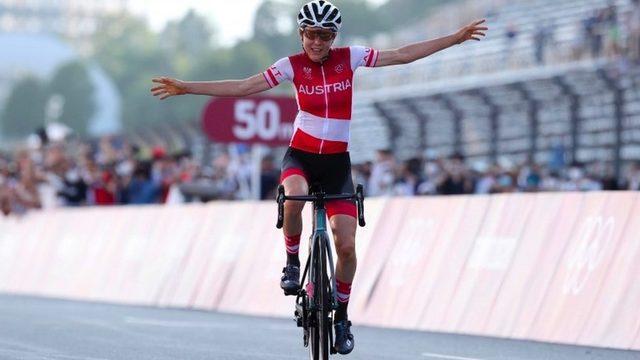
319,333
314,334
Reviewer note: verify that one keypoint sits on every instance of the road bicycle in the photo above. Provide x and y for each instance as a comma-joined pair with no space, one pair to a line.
316,301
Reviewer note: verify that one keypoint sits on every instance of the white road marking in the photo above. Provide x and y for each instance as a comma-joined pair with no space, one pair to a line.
179,324
450,357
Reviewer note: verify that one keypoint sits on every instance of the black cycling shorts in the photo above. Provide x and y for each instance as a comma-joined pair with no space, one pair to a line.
331,171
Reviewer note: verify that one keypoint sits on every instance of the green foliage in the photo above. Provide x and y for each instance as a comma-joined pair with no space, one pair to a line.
398,13
72,82
131,53
185,40
24,109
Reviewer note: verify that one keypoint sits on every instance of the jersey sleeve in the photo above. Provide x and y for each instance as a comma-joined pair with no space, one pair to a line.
279,72
363,56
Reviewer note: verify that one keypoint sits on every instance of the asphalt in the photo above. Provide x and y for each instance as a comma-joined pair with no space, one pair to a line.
48,329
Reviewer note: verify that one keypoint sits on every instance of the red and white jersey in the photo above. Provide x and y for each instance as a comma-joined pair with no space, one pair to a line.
324,92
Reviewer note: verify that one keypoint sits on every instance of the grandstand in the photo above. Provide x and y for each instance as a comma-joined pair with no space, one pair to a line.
492,112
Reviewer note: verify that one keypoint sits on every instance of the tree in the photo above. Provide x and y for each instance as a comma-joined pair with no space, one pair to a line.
187,39
24,109
131,55
398,13
72,82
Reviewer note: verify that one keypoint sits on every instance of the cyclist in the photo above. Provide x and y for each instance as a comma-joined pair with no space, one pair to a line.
318,153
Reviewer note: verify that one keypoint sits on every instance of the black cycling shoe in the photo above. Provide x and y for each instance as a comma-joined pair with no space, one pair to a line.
344,338
290,281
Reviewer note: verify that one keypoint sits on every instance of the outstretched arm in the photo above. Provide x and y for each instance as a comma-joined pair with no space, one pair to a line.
173,87
419,50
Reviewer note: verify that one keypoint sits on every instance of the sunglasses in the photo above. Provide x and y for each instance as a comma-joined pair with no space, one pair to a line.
323,35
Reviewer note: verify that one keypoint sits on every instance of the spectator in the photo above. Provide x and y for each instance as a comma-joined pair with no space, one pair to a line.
5,191
25,191
487,181
611,29
456,180
593,33
633,26
142,189
539,41
511,36
361,173
633,177
269,178
408,178
382,174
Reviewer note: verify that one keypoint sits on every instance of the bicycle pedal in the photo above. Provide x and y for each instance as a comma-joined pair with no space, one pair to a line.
292,292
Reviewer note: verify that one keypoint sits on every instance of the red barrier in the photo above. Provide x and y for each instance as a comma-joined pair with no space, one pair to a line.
550,267
546,262
410,253
615,317
10,245
219,249
436,313
34,261
491,259
582,268
516,289
371,263
211,242
365,277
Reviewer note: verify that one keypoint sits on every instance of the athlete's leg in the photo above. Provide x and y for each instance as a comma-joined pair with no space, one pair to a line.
344,234
294,185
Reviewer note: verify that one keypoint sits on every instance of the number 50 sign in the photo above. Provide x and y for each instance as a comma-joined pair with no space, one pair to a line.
256,120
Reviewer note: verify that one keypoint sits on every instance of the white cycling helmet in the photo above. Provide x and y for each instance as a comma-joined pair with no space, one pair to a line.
320,13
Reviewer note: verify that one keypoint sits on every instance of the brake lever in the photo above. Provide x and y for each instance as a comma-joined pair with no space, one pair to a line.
360,203
280,199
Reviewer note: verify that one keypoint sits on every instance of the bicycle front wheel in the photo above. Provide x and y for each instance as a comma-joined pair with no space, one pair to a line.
320,332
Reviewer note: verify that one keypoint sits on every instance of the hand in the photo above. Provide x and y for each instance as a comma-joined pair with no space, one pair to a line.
472,31
170,87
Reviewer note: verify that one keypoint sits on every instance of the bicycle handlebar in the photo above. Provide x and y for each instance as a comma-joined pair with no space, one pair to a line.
358,197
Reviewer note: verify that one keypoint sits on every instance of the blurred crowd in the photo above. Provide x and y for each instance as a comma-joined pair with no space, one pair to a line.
612,31
111,171
454,176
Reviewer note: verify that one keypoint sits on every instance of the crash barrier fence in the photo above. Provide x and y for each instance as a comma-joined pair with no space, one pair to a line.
553,267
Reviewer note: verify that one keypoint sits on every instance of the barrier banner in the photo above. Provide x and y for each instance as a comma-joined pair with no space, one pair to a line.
40,244
582,268
119,236
188,226
546,262
556,267
615,317
238,294
437,312
11,235
365,242
491,258
533,242
377,254
220,249
189,281
68,259
408,255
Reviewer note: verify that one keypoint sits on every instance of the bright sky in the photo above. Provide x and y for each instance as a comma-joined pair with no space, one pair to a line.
233,18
